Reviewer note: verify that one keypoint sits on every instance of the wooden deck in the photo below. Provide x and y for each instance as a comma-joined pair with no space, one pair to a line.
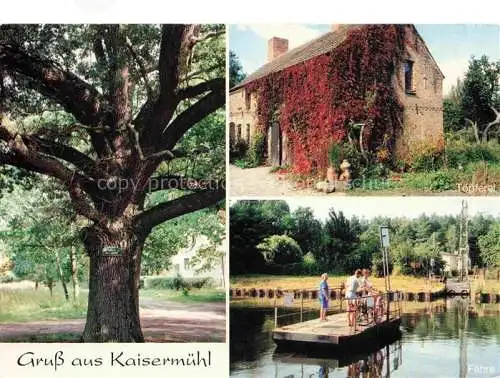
456,287
333,331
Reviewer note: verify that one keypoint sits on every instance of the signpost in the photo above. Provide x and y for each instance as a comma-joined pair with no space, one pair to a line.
111,250
384,242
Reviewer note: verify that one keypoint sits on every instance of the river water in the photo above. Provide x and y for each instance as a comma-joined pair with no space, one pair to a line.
448,338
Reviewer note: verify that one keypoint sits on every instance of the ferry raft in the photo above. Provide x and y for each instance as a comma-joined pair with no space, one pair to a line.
376,318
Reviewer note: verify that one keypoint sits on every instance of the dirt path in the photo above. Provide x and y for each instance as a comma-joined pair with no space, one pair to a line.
260,181
160,321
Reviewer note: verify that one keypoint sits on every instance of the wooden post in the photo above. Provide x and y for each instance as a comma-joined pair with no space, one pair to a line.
275,313
301,304
388,305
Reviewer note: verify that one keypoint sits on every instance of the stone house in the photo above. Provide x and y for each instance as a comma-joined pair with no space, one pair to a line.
180,263
417,82
454,262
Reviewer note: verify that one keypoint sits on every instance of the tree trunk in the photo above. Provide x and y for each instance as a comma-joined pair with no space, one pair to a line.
74,276
113,304
223,272
61,275
50,285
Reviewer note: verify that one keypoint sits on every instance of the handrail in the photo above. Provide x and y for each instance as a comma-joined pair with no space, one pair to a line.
296,299
302,299
381,306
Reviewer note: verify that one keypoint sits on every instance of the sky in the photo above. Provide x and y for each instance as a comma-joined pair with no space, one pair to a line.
395,207
451,45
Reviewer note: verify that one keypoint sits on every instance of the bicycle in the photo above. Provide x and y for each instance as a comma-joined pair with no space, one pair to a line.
370,310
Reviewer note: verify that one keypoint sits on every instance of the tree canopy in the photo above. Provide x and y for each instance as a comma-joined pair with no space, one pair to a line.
262,243
128,120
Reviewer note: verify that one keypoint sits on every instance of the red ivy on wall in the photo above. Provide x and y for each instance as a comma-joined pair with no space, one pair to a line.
315,101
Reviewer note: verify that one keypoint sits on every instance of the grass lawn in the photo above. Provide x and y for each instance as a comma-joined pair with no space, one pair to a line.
485,286
24,305
486,175
404,283
194,295
27,304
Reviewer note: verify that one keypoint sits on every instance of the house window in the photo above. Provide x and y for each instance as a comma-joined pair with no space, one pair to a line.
248,100
238,131
248,133
408,65
186,264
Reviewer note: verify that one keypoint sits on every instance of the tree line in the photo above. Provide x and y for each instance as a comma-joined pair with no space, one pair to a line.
267,238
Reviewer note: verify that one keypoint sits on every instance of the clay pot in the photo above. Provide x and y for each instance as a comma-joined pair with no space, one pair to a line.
346,171
331,174
345,165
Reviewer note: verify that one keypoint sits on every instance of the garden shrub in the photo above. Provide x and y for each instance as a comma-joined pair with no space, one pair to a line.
177,282
351,153
432,181
460,152
239,150
7,277
255,153
309,264
280,249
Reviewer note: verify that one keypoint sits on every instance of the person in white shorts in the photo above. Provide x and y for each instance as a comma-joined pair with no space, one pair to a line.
351,293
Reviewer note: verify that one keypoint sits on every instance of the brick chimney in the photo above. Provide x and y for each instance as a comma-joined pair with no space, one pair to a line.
276,47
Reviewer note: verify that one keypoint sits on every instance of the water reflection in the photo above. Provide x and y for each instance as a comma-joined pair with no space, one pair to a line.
378,364
452,338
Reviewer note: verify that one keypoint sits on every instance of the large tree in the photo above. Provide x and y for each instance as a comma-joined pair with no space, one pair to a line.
480,97
236,73
122,99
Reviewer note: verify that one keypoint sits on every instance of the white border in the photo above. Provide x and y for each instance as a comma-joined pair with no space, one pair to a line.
256,11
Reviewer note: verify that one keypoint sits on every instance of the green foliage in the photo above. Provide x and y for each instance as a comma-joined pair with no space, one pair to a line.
33,243
427,159
481,90
432,181
255,153
280,249
8,277
177,283
251,223
236,73
341,245
353,155
334,154
489,244
460,152
339,240
169,237
453,116
239,151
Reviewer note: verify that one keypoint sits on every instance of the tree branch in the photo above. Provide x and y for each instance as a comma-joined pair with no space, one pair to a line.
69,154
196,90
475,129
171,209
142,67
75,95
192,115
490,124
172,42
18,154
168,182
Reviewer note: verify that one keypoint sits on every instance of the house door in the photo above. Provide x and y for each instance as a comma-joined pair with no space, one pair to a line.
276,145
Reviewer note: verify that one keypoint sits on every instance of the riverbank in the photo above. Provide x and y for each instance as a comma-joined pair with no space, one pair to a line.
398,282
